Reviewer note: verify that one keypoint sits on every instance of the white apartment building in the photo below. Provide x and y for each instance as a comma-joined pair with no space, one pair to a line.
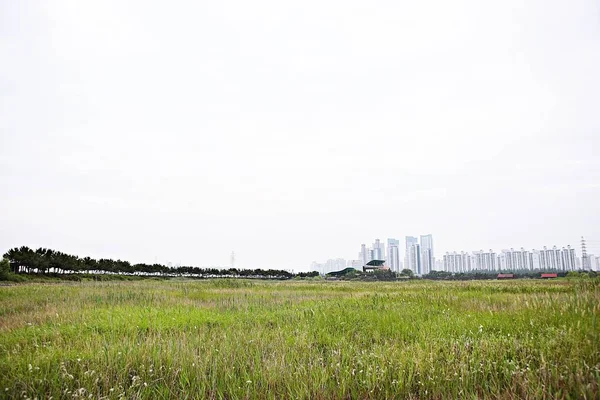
331,265
458,262
393,254
558,259
377,251
413,258
427,258
485,261
553,259
594,262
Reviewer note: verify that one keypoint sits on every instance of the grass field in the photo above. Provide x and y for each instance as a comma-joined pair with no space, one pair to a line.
313,340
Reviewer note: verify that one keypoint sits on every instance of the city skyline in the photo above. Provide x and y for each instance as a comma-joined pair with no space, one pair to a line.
419,256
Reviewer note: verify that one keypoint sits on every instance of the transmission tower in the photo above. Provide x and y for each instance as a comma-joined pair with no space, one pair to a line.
584,255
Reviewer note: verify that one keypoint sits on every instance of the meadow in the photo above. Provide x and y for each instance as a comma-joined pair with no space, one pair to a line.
236,339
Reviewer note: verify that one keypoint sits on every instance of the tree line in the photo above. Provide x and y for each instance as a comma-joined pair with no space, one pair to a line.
24,260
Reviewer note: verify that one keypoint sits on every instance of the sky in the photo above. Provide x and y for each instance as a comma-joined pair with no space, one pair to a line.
289,132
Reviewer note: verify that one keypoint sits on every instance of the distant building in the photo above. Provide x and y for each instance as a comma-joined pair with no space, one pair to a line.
427,258
534,260
377,251
412,255
594,262
553,259
364,254
334,264
484,261
515,260
558,259
458,262
393,254
410,240
549,276
414,259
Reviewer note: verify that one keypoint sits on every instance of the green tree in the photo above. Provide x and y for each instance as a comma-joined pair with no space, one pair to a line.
407,272
4,269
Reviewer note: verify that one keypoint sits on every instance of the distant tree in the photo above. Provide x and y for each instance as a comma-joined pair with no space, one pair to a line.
307,274
89,264
26,260
384,275
4,269
22,259
407,272
438,275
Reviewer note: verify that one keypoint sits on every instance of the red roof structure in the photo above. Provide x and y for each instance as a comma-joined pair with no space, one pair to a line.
549,276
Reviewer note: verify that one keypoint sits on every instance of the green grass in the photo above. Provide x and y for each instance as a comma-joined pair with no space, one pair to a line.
230,339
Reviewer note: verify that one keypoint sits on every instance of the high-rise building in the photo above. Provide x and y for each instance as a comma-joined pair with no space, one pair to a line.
393,254
364,254
414,259
534,260
378,250
484,261
569,258
513,260
427,241
458,262
410,241
558,259
427,258
594,262
331,265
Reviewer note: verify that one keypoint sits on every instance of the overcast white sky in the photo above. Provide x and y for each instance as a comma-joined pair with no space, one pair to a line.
180,131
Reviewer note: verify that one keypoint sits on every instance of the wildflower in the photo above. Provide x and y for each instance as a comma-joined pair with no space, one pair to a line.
248,381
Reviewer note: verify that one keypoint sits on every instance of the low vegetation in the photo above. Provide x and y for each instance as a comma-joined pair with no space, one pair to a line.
228,339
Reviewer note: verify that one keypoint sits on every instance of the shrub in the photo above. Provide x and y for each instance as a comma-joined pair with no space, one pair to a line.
4,269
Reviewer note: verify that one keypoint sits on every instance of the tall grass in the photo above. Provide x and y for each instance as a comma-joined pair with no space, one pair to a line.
239,339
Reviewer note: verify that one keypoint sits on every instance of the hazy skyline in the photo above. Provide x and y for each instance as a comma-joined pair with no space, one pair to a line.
295,132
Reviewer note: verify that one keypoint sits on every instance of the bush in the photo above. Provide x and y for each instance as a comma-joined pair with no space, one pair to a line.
7,275
4,269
